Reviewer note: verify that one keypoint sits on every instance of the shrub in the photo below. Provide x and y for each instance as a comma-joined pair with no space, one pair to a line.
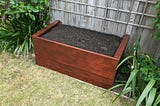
21,19
144,81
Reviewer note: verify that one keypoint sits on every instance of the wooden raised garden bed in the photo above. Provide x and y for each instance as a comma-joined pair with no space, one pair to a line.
83,54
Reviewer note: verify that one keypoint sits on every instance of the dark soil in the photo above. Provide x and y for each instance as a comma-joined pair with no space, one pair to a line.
86,39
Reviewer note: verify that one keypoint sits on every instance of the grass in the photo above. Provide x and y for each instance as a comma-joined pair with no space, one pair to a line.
22,83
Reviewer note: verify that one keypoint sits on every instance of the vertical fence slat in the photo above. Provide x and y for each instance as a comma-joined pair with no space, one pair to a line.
54,13
83,19
90,11
112,15
105,22
77,16
71,17
132,17
121,16
100,12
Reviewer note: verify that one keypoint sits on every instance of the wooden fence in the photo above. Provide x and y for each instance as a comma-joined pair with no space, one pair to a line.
117,17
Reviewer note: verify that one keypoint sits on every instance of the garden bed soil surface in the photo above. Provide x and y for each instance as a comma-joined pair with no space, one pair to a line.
106,44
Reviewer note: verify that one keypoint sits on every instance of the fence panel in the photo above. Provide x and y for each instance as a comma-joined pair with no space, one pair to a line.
117,17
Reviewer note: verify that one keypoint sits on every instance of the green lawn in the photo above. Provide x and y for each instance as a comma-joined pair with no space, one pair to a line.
22,83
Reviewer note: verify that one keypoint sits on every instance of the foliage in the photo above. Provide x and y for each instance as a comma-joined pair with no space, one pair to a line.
21,19
144,80
124,69
156,20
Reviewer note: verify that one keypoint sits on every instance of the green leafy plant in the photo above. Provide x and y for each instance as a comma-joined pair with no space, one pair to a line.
124,69
156,20
144,81
22,19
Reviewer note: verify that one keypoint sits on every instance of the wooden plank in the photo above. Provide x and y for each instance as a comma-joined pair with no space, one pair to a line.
76,73
54,13
90,11
115,16
74,14
95,20
66,16
105,22
71,18
122,46
83,19
123,16
100,13
132,17
62,6
77,15
112,15
74,57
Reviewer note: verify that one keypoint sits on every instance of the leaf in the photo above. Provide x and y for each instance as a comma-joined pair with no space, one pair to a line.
116,86
158,26
146,91
157,101
155,20
35,10
151,97
122,93
16,34
131,77
134,82
41,7
32,16
124,60
35,1
22,10
25,49
46,2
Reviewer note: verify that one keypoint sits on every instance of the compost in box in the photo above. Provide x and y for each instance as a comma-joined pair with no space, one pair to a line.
106,44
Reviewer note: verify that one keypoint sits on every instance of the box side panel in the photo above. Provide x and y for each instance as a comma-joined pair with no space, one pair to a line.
85,66
121,47
76,73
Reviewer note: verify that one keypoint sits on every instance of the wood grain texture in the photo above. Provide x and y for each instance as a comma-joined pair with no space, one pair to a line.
122,46
95,68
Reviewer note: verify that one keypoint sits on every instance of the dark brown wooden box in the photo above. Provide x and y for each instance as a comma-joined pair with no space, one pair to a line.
91,67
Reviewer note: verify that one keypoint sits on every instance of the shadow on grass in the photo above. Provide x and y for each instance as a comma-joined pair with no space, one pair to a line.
23,83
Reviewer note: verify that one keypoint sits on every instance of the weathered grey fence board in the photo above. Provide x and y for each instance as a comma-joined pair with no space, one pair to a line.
117,17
